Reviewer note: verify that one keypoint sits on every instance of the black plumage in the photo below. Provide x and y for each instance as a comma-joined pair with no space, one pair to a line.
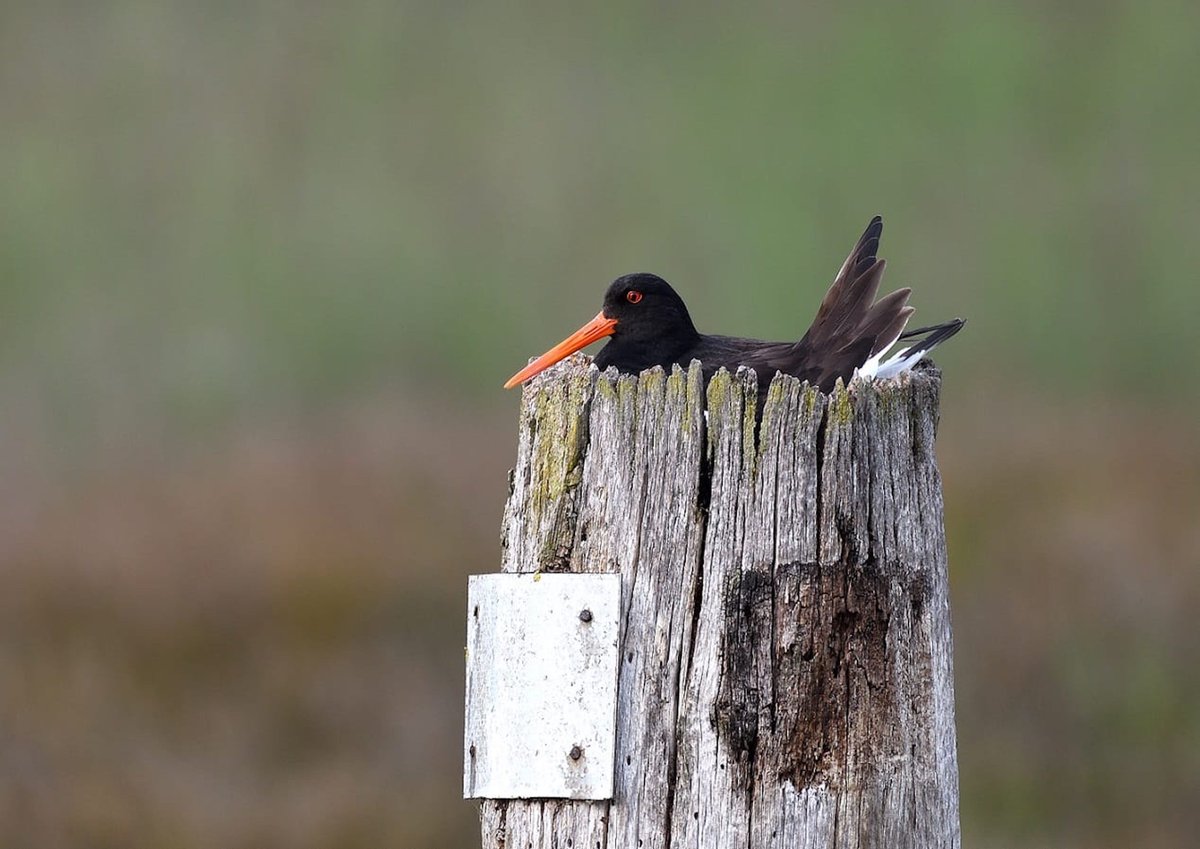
649,326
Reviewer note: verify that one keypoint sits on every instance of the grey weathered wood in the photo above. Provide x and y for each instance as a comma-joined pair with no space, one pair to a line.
541,686
785,675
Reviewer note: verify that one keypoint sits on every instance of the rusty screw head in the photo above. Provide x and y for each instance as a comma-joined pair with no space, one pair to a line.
576,753
585,615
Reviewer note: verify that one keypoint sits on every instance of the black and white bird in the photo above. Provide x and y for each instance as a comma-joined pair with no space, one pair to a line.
648,325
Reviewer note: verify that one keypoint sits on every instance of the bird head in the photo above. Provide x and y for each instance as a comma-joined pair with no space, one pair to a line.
639,310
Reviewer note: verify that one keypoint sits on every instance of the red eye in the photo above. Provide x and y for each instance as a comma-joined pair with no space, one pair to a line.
633,296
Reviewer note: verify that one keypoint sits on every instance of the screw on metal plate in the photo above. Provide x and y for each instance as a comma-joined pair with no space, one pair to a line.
576,753
585,615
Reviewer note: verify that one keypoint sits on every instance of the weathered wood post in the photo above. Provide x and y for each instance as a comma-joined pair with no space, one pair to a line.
784,675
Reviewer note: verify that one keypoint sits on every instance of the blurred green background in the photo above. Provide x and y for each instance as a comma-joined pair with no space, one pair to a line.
264,266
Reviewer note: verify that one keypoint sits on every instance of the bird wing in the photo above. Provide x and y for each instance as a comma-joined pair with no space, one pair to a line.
851,326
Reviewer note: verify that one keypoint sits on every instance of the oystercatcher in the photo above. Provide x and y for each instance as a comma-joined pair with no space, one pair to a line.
648,325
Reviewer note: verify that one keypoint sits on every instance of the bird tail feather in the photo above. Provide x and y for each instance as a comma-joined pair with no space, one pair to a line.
908,357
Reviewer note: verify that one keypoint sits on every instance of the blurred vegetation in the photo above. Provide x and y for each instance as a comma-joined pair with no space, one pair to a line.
263,267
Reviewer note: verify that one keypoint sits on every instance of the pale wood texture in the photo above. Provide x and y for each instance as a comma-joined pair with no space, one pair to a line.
785,676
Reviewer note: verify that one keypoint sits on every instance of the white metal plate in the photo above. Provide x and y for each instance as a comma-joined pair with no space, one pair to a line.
541,686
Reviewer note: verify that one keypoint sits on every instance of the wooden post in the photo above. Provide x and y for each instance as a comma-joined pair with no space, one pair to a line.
785,673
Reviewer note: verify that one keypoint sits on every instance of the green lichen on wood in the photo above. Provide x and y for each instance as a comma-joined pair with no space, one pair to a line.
718,391
651,384
560,440
677,387
555,423
695,393
809,399
840,411
893,397
685,392
627,385
748,385
606,387
777,393
717,404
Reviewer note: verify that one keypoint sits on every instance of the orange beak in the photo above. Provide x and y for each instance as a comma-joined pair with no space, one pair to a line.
597,328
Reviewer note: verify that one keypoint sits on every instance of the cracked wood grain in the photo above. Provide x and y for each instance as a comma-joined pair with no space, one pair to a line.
786,672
